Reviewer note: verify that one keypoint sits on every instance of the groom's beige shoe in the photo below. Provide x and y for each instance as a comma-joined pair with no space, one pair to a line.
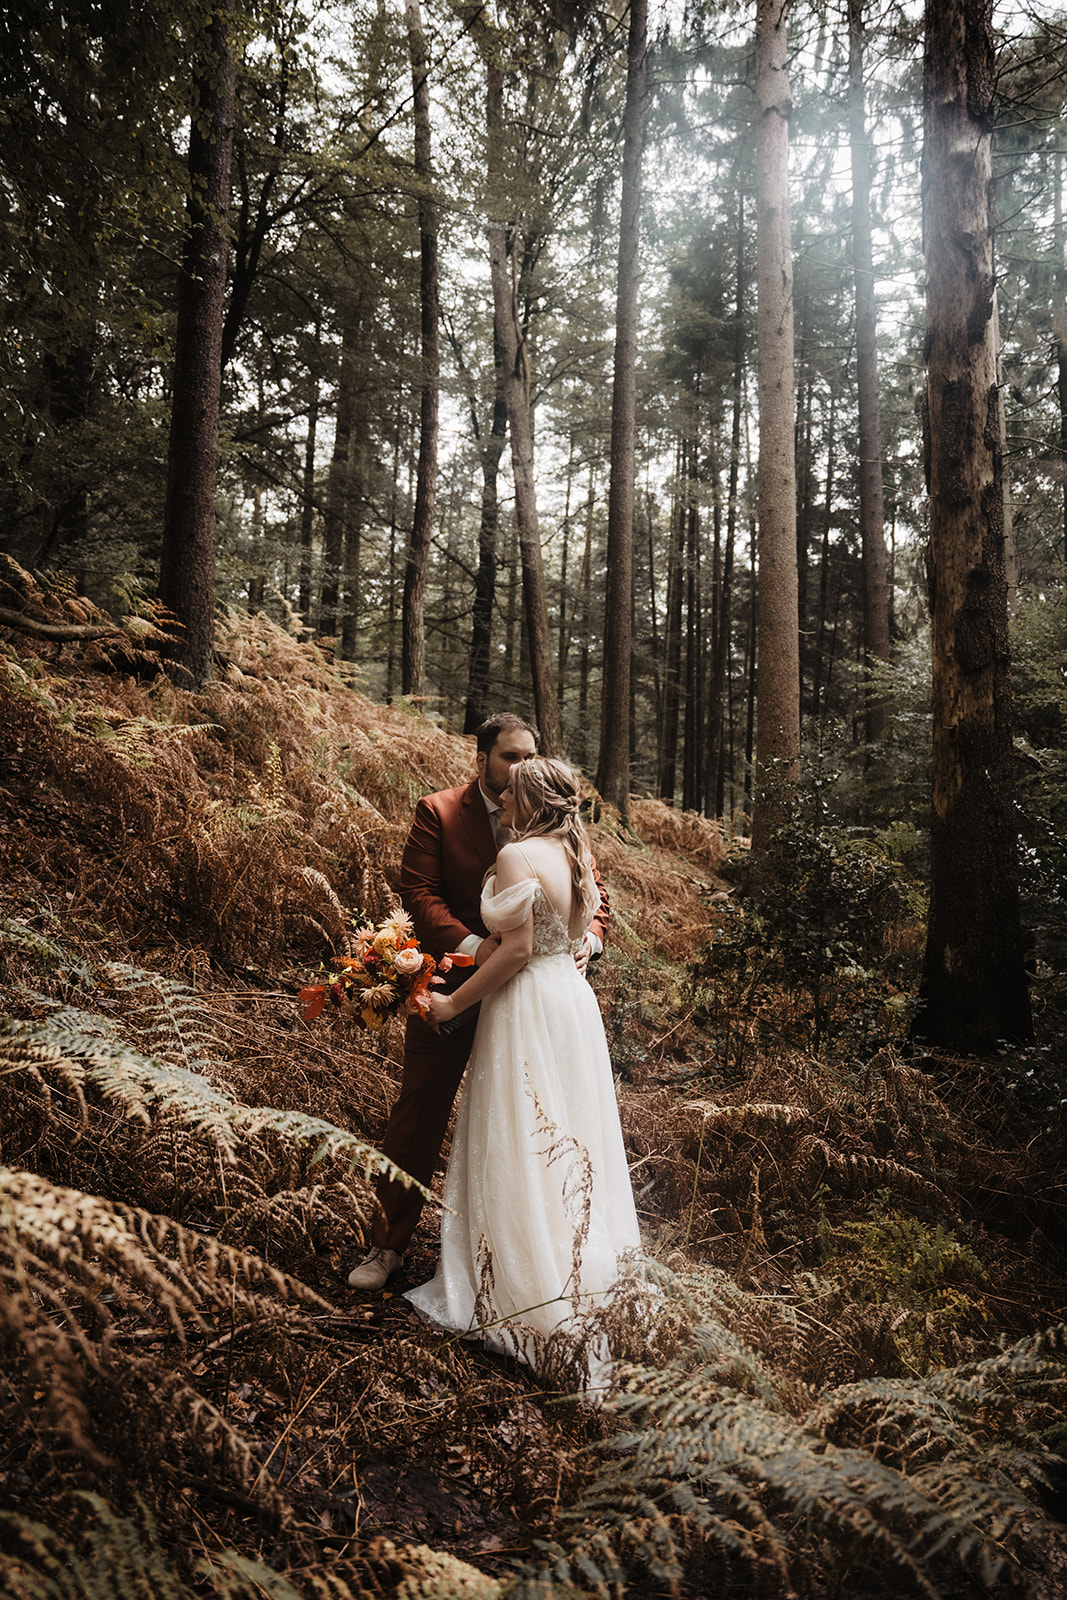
375,1270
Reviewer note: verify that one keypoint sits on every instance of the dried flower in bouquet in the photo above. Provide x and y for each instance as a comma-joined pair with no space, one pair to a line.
389,975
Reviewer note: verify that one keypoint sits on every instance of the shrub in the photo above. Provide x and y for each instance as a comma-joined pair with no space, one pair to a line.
825,946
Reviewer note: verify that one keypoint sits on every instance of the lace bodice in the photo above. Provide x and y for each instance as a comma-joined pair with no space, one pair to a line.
511,907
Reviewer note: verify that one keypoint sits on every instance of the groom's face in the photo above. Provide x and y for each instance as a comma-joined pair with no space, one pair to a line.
494,766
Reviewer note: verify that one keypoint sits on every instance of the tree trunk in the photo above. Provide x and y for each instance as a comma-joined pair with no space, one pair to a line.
1059,323
973,993
490,451
565,620
413,650
872,510
692,763
516,377
187,565
804,455
335,515
512,646
720,687
823,654
672,632
750,683
1061,393
355,511
582,739
778,672
307,506
613,768
399,419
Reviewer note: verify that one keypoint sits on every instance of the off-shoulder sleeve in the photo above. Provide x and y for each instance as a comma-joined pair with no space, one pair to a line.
510,908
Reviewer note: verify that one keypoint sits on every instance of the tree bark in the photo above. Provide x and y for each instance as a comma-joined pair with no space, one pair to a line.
872,509
823,653
355,512
187,564
613,768
490,450
692,764
516,380
307,506
778,671
413,648
338,482
672,630
582,739
973,993
720,687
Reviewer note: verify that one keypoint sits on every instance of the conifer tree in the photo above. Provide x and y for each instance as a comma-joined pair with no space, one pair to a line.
973,992
413,662
872,513
613,770
778,712
187,566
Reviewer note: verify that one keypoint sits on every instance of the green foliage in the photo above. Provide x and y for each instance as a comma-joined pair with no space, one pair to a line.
1039,654
118,1557
1035,1079
830,919
904,1257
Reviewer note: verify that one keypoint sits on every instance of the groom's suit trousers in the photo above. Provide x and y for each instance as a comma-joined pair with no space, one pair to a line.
418,1122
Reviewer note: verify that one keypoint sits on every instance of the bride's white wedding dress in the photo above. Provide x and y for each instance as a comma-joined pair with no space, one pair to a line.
541,1212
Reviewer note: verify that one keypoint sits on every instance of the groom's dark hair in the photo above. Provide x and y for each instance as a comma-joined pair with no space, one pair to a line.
503,722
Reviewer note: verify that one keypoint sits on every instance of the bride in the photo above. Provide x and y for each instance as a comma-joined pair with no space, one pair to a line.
540,1222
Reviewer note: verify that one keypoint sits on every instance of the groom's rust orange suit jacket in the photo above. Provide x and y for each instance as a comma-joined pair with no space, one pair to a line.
448,852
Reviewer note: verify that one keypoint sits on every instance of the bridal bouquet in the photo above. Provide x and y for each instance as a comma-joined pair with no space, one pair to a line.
388,975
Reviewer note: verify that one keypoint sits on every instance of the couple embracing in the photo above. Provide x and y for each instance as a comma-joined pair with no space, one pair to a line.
540,1217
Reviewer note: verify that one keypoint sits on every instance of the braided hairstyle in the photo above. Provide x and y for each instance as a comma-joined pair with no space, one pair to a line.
546,806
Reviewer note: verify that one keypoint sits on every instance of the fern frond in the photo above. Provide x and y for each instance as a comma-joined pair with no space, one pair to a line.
14,931
76,1246
118,1558
330,913
176,1022
901,1481
72,1265
125,1558
857,1168
745,1116
147,1089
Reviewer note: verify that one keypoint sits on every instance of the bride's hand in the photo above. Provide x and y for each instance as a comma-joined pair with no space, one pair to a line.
442,1009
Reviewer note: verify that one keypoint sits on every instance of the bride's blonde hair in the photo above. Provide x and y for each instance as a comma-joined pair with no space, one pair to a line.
546,806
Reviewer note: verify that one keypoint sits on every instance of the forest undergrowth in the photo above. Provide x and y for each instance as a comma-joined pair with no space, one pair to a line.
855,1381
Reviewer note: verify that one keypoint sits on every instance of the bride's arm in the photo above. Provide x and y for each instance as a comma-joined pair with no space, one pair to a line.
509,957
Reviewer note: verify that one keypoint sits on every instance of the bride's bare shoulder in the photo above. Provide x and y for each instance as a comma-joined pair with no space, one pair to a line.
539,845
512,865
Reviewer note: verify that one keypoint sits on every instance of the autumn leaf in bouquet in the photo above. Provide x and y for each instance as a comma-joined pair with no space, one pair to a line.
389,975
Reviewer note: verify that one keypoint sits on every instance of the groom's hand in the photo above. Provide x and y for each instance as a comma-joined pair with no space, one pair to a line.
581,957
485,949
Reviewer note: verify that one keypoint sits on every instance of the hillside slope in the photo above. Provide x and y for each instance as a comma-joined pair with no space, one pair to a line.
184,1189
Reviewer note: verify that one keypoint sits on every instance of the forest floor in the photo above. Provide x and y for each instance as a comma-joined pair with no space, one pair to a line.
856,1382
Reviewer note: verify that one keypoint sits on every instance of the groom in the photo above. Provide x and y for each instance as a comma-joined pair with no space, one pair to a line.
452,844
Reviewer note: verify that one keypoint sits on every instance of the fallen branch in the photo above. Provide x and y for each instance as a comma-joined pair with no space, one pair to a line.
57,630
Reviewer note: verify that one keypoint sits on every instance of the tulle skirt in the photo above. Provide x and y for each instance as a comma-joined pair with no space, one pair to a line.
541,1219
